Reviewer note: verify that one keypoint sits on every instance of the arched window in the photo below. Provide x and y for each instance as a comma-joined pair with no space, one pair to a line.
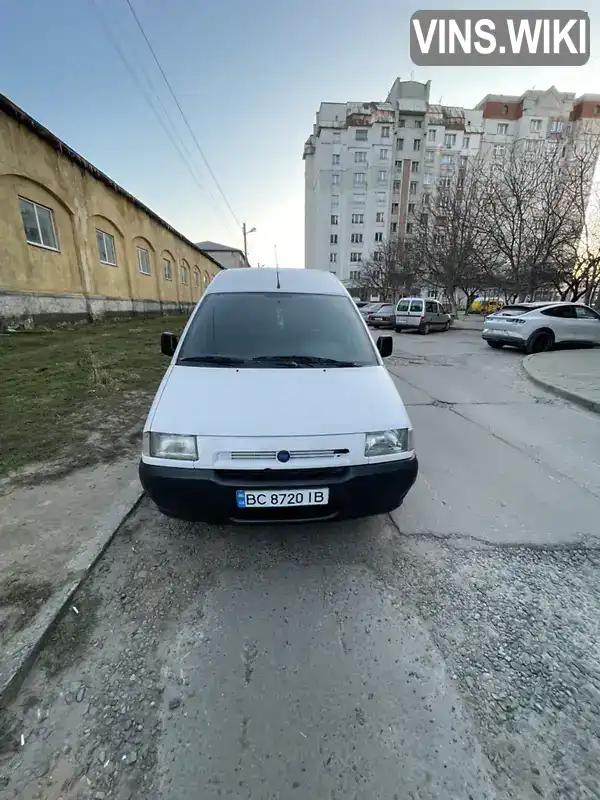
185,272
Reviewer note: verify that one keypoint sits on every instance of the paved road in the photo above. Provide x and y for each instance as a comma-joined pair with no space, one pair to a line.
450,651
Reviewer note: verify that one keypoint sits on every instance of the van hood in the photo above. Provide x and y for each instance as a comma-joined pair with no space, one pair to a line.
212,401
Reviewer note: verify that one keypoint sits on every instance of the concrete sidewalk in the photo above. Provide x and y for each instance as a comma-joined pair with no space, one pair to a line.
571,374
50,537
473,322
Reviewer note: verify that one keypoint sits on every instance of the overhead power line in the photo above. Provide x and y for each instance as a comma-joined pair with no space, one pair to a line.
145,94
173,134
181,111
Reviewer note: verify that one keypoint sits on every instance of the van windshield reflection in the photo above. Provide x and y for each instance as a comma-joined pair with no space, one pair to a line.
277,330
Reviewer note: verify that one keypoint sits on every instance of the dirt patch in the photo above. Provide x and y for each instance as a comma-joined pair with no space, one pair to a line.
20,600
69,639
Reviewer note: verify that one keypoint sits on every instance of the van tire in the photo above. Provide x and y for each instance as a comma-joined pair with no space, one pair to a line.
397,329
424,329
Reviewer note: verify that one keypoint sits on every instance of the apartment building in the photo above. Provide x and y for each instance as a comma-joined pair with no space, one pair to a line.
367,166
536,116
370,166
349,162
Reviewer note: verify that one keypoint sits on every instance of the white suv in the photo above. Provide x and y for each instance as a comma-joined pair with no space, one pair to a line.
536,327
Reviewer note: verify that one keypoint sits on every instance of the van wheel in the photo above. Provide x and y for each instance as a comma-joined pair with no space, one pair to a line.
397,329
540,342
424,329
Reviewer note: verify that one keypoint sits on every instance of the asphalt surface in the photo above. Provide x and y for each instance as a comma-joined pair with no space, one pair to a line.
449,651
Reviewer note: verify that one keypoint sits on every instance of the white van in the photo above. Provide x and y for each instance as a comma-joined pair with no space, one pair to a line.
417,314
276,407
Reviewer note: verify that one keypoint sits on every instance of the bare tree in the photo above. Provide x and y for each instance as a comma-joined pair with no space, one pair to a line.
388,272
531,223
447,229
578,271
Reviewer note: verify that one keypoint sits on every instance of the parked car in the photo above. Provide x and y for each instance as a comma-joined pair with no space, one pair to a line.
535,327
483,305
382,318
360,303
369,309
328,435
414,313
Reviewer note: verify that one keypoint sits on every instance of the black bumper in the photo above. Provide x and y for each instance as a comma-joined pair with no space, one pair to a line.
205,495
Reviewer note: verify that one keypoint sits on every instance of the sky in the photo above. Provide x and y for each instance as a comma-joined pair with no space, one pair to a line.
249,77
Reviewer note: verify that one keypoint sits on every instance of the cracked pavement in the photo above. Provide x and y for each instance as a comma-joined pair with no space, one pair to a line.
449,651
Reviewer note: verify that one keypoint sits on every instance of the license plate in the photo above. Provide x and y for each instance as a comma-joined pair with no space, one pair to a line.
281,498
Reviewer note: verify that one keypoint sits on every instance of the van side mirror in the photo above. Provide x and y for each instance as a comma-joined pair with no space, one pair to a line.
385,345
168,343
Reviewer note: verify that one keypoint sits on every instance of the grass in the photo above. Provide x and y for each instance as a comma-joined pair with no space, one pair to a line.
71,396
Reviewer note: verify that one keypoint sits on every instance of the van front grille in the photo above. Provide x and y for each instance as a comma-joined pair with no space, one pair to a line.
271,455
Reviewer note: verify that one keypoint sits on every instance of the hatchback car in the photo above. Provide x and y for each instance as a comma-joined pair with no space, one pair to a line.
276,406
414,313
382,318
535,327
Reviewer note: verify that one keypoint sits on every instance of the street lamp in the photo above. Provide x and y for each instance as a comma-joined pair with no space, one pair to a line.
245,231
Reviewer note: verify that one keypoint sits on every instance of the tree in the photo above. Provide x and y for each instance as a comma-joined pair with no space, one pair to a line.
531,223
447,228
388,272
578,274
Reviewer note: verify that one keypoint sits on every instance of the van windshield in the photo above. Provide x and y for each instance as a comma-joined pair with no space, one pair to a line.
266,329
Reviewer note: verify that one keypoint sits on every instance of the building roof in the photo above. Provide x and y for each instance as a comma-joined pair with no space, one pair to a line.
12,110
215,247
301,281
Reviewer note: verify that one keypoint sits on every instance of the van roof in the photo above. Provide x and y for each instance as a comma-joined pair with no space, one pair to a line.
264,279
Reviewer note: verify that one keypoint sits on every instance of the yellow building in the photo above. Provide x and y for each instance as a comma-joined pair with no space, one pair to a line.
75,245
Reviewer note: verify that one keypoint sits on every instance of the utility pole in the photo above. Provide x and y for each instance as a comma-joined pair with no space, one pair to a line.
245,232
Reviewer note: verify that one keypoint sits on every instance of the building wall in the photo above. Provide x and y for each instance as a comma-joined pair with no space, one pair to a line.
69,282
229,259
335,190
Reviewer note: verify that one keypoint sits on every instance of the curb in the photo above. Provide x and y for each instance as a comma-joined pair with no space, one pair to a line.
565,394
22,651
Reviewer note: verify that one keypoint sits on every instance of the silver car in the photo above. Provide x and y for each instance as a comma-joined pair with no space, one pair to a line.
417,314
536,327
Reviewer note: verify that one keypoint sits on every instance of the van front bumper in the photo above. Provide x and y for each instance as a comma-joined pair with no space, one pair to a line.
204,495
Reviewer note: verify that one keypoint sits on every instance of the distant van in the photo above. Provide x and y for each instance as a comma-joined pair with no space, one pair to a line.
424,316
277,407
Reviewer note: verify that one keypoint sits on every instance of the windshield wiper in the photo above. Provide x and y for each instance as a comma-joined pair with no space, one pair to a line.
310,361
223,361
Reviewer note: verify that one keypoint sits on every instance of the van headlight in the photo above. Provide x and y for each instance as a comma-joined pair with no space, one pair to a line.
170,445
385,443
